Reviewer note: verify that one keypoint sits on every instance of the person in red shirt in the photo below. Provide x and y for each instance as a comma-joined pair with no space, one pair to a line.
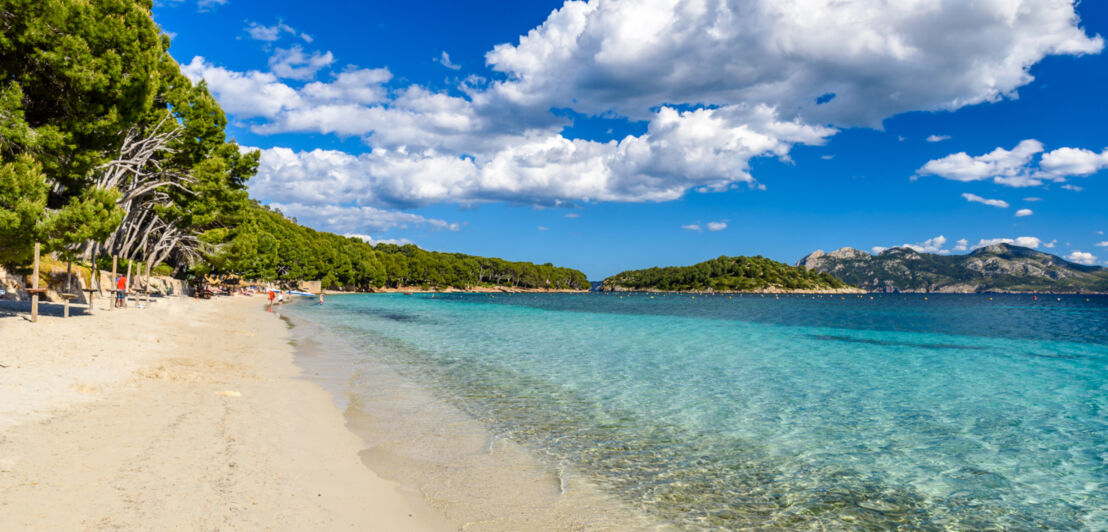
121,292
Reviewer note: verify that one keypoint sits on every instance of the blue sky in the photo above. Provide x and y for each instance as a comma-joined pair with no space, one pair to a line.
626,134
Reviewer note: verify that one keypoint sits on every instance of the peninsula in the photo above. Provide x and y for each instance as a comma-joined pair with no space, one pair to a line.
726,274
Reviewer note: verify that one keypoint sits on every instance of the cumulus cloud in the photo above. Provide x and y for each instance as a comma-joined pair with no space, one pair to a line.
937,138
705,149
1032,199
1006,167
1023,241
1074,188
1102,244
1073,162
876,60
716,226
294,63
961,244
716,83
1024,212
358,219
1082,257
1050,244
691,227
974,198
1017,167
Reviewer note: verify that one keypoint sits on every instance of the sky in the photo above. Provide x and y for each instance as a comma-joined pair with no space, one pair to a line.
618,134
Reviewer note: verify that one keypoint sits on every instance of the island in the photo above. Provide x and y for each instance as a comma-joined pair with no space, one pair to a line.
727,274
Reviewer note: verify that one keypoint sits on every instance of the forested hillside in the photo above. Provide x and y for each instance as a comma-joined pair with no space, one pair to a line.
108,150
266,245
724,274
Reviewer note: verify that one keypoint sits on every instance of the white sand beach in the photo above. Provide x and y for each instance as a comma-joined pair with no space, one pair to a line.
188,415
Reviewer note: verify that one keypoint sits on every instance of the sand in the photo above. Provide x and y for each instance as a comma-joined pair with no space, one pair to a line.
188,415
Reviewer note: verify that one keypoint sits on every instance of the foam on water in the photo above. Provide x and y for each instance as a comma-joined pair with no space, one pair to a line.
800,412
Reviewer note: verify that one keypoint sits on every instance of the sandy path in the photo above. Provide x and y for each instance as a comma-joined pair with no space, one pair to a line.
184,416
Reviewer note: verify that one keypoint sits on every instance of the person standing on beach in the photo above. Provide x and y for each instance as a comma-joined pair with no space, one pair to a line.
121,292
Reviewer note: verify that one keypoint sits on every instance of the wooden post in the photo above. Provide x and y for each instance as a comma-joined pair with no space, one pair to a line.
147,296
115,263
34,285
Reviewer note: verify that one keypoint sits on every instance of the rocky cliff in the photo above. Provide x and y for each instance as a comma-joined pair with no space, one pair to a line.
996,268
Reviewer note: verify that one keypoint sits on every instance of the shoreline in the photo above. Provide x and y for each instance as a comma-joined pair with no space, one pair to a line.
475,478
188,414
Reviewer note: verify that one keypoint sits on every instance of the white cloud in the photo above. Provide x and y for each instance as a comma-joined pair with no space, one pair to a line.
1082,257
931,245
572,215
937,138
691,227
961,244
1073,162
877,60
293,63
706,149
444,60
1024,212
543,228
1006,167
1102,244
1017,167
245,95
362,86
1050,244
1023,241
1074,188
1032,199
260,32
374,241
718,83
357,219
991,202
716,226
827,157
208,5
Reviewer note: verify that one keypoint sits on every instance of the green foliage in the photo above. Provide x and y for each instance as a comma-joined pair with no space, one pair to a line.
22,204
91,216
724,274
86,71
266,245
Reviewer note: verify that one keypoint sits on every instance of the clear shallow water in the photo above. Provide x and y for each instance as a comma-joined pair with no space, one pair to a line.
732,412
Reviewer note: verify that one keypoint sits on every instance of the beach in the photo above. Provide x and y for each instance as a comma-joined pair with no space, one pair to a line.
187,415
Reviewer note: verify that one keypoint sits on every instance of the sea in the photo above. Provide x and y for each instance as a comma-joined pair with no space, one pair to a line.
727,412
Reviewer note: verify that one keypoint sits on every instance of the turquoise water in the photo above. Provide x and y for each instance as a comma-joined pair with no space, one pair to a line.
958,411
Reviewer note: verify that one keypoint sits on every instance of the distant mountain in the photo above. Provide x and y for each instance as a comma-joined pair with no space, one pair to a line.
996,268
725,274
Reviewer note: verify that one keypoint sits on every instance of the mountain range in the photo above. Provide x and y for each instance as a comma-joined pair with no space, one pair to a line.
995,268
